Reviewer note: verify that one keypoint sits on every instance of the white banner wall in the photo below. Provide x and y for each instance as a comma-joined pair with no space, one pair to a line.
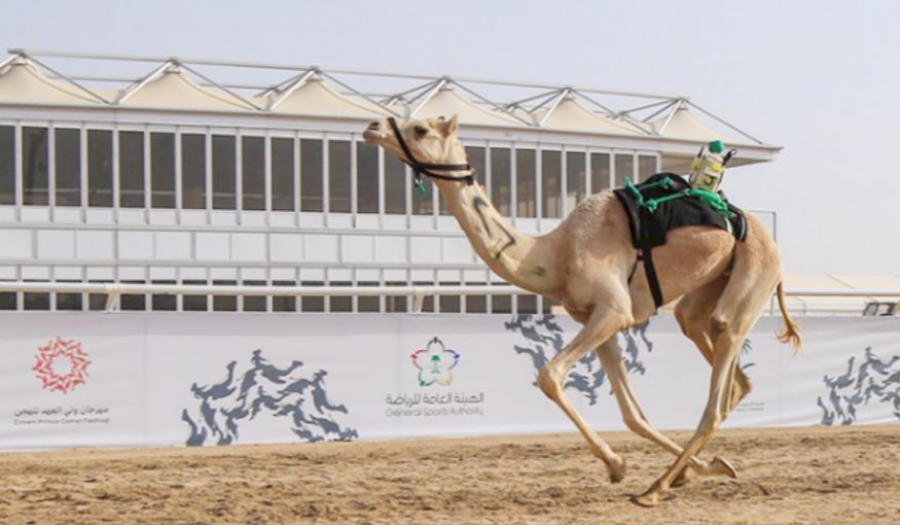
91,379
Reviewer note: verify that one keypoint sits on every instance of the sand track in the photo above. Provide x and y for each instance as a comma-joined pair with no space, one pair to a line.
809,475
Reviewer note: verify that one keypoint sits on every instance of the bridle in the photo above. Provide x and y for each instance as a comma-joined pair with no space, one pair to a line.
424,168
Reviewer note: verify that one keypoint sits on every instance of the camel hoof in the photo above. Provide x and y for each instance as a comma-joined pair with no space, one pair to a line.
617,472
723,467
647,500
684,477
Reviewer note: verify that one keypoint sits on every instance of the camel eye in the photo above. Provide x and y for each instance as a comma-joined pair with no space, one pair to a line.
420,131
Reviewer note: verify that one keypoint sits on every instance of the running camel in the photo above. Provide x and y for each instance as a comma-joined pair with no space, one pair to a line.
587,263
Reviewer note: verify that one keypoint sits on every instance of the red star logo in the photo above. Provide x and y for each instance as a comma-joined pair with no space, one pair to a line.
56,353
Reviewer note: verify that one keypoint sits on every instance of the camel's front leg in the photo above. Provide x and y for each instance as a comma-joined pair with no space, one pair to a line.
601,326
611,358
724,364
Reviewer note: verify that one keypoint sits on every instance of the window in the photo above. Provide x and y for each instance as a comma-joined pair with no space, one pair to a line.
368,304
551,184
194,303
35,181
164,302
8,301
69,301
253,173
576,183
133,301
366,178
224,303
254,303
131,169
501,180
100,168
7,165
283,303
428,300
450,303
394,185
224,173
311,168
600,176
97,301
476,304
624,168
339,176
283,190
193,171
310,303
36,301
501,304
526,184
527,304
162,170
646,167
395,303
68,167
341,303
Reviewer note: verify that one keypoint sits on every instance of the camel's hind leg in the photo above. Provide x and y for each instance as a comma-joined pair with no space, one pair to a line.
693,313
602,325
755,275
611,358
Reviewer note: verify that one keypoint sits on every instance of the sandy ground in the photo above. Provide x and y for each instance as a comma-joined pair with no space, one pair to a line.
810,475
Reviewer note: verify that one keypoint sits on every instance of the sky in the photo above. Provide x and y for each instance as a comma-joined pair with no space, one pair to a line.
821,79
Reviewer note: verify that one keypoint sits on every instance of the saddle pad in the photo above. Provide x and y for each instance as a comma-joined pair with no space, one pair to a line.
649,230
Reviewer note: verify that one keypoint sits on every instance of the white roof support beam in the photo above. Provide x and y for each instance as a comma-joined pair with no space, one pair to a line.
153,75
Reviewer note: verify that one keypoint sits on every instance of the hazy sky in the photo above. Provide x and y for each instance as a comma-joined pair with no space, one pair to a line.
821,79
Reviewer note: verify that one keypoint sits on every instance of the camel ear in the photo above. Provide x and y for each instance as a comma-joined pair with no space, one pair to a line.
451,126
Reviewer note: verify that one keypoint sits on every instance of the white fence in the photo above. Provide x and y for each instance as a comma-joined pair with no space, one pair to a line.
114,290
133,379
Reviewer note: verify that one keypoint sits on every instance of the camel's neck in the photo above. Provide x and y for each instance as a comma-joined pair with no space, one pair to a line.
527,262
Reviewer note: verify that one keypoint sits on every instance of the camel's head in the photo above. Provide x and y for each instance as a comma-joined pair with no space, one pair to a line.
431,141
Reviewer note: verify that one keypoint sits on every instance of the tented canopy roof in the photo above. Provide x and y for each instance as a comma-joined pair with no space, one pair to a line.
684,125
569,115
315,98
446,102
173,89
21,83
631,120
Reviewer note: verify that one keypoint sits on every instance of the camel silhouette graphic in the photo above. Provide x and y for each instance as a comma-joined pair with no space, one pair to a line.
866,378
544,338
263,388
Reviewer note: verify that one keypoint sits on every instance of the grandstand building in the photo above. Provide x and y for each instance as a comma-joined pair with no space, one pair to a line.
181,171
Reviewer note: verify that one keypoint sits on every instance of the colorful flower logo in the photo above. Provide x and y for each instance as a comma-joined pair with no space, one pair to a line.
435,363
61,365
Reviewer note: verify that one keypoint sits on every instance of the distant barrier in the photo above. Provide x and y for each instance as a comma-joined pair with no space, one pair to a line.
134,379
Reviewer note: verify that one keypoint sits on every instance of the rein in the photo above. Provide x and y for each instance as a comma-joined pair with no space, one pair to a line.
424,168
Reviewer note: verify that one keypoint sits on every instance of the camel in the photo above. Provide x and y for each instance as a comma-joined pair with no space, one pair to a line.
589,265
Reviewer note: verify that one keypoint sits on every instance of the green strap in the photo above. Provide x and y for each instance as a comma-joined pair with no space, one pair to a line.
636,192
652,204
711,199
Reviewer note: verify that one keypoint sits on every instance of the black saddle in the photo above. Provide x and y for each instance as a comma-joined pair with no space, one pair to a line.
661,204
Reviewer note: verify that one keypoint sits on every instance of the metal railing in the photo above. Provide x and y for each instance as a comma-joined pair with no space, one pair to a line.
114,290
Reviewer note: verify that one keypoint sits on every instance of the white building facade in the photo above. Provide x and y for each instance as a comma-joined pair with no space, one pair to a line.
172,177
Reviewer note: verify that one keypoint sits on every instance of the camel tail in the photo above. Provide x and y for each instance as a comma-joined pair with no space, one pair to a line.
791,332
